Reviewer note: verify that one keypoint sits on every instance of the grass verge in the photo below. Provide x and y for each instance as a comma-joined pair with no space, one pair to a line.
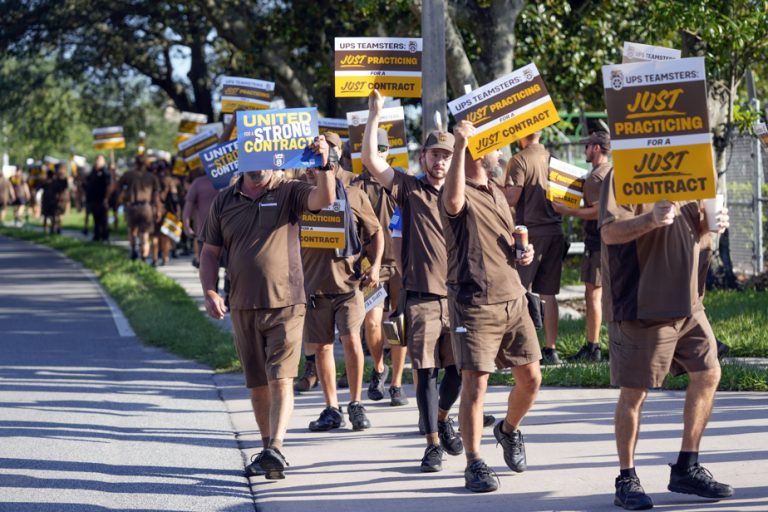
74,220
158,309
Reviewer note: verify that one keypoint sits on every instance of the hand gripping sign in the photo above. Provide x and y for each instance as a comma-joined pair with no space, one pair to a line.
392,121
657,114
108,138
506,110
277,139
391,65
220,163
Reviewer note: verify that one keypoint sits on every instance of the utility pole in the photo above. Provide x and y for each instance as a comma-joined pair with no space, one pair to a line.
757,189
434,92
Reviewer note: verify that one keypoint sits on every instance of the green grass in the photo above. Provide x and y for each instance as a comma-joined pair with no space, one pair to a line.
158,309
74,220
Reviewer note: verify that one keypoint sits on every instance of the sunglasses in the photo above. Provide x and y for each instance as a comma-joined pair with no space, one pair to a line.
383,149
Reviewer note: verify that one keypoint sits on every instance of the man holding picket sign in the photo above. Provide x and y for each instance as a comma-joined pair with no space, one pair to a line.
424,266
257,221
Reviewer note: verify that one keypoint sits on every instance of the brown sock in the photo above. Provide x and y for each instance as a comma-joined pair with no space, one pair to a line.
265,442
277,444
507,427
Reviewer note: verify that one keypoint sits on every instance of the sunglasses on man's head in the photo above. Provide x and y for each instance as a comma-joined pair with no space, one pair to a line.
383,149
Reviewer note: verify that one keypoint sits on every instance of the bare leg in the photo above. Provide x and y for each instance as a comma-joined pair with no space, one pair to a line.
398,363
374,338
593,297
144,245
281,408
473,387
260,402
627,424
551,319
354,359
522,396
699,399
326,371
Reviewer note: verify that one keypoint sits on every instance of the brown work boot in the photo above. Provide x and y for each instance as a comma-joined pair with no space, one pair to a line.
309,379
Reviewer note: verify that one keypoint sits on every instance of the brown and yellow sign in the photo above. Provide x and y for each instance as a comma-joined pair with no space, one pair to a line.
506,110
657,114
188,126
566,183
388,64
108,138
324,229
171,227
762,132
190,149
245,93
337,126
392,120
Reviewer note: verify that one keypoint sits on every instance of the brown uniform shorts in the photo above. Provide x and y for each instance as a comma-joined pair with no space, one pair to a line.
346,312
140,217
644,351
493,336
268,342
542,276
428,330
590,268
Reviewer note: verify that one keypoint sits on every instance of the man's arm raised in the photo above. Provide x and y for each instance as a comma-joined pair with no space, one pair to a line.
453,191
325,192
622,231
376,165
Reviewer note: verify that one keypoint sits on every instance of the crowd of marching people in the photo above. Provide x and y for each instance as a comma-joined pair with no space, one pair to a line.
470,253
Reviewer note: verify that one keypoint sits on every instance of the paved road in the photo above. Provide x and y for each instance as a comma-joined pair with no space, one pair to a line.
93,421
97,422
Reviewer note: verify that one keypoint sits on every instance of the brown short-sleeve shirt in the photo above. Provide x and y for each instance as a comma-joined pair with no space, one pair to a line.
481,252
384,206
424,257
529,169
140,187
592,186
656,275
261,237
323,271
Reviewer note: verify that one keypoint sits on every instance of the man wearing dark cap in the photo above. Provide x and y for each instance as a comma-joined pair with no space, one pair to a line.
384,205
526,191
490,324
597,148
424,269
256,220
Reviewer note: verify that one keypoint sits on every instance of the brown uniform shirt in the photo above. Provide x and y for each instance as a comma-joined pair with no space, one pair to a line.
261,237
424,257
326,274
656,275
384,206
139,187
529,169
481,251
592,186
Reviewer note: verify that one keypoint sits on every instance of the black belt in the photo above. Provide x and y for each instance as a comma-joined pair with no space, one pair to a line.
424,295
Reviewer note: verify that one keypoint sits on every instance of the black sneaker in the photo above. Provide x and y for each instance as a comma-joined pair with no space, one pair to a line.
357,416
329,419
514,447
254,468
273,463
630,494
376,387
697,480
397,397
449,439
478,477
488,420
549,356
589,353
432,462
722,349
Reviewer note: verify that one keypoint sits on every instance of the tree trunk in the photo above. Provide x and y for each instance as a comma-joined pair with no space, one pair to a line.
500,40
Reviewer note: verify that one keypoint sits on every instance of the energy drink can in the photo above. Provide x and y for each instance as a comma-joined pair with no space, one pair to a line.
521,240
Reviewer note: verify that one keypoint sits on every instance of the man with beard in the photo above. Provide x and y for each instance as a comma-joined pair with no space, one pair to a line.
256,220
424,268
